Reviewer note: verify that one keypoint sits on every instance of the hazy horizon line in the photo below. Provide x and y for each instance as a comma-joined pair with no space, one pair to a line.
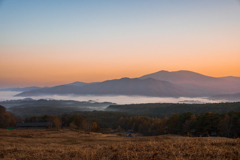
57,84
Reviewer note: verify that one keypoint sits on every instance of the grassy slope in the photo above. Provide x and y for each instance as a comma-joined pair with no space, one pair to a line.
66,144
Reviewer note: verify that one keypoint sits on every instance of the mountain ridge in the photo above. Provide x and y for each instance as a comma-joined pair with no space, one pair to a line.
229,97
198,83
161,84
123,86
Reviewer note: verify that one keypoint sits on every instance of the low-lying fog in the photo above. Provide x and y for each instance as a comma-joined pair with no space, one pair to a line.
9,95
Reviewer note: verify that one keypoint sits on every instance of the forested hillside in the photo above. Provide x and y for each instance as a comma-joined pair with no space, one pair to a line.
188,124
226,125
168,109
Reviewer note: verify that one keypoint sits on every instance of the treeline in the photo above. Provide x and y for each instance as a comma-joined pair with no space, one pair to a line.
103,119
7,119
29,107
75,122
161,110
187,123
227,125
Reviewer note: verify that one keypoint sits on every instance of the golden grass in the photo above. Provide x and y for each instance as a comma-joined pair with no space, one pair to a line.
66,144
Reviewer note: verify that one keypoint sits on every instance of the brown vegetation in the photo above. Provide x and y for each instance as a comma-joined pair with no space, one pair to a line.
67,144
7,119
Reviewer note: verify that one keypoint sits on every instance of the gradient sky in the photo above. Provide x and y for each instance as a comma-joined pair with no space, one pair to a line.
46,43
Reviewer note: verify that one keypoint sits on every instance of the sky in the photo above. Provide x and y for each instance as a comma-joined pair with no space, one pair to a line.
47,43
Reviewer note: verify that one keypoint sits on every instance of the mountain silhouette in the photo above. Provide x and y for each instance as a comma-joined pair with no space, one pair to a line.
229,97
198,84
124,86
160,84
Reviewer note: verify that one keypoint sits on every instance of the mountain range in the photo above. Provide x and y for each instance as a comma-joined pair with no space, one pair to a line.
20,89
197,84
159,84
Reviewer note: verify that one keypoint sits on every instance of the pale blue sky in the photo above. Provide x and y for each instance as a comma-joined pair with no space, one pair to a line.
30,22
91,36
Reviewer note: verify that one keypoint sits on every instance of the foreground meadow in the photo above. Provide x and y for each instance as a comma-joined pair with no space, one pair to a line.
66,144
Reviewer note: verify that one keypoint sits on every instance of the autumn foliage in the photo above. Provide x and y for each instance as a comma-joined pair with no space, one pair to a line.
7,119
225,125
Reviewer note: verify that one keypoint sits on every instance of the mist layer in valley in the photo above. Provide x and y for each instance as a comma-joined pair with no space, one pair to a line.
10,95
71,104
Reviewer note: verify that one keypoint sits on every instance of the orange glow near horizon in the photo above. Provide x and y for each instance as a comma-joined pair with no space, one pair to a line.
49,69
96,41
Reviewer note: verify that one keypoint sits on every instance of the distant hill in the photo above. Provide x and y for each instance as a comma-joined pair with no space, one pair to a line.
29,107
198,84
231,78
168,109
124,86
159,84
78,84
229,97
21,89
182,77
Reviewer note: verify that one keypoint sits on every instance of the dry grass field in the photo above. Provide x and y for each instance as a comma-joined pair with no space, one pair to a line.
66,144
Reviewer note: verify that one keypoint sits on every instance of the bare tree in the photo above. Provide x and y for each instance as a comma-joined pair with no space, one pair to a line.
119,129
78,121
225,126
86,125
50,121
186,125
57,122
